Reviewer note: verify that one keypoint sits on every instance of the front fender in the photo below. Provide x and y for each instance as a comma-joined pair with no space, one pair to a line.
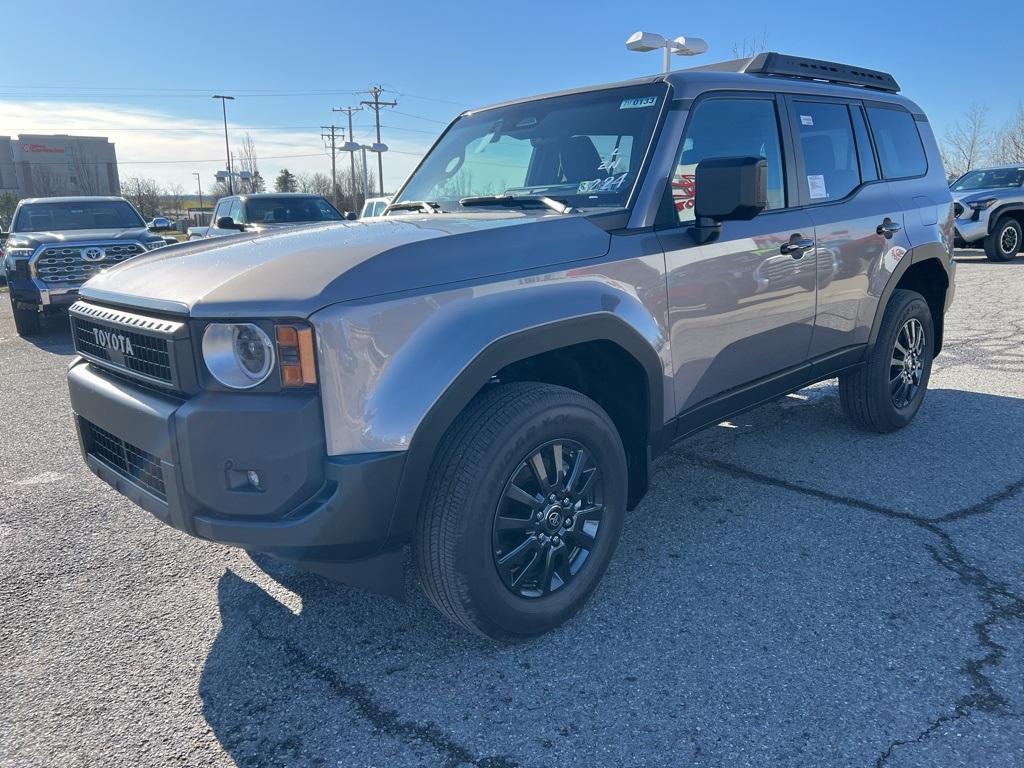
395,375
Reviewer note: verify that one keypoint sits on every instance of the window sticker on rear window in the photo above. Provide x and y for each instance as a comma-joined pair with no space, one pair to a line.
816,186
806,120
639,103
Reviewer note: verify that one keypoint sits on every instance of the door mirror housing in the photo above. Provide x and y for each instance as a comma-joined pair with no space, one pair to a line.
728,189
226,222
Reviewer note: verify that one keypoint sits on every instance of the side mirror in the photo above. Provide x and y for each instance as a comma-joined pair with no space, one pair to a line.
226,222
729,189
349,216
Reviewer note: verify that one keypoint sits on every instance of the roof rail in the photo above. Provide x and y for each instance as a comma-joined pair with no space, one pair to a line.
813,69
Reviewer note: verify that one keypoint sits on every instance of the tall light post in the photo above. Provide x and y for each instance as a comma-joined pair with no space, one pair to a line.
642,42
227,148
199,183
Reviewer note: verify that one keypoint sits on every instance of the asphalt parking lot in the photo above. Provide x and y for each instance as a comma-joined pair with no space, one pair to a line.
792,593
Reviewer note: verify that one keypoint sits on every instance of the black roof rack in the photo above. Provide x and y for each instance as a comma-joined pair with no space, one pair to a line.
815,69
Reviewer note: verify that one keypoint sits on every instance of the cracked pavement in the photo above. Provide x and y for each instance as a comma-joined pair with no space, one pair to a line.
792,592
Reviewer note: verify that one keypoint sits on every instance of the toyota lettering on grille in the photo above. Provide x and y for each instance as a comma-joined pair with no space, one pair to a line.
112,340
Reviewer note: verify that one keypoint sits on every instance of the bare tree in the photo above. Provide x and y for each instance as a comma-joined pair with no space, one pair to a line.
144,194
314,183
967,143
746,49
1010,148
46,183
87,176
176,193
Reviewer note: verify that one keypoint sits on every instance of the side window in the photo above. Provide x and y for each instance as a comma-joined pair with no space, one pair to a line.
728,128
831,166
222,210
899,143
236,210
868,169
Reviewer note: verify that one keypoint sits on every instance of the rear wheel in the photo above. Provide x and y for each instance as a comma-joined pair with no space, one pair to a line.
886,392
1005,241
27,322
523,510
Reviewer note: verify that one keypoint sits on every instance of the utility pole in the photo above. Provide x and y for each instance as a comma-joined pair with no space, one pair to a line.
227,149
376,106
351,155
200,185
334,154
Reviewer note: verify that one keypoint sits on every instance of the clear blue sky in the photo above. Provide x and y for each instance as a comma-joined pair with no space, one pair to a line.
437,58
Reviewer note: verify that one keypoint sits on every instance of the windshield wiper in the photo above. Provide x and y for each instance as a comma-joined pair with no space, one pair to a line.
423,206
522,201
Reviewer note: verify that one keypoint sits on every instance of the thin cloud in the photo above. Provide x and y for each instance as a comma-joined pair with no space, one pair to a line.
168,148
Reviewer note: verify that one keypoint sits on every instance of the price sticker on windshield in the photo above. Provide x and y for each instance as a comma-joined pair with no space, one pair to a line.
639,103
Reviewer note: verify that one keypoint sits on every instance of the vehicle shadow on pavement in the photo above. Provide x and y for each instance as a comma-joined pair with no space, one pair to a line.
55,336
789,593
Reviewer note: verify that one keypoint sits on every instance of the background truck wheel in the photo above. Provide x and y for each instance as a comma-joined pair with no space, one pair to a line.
523,510
1005,241
27,322
886,392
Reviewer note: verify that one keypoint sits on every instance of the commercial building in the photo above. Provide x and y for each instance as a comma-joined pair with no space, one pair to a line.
33,165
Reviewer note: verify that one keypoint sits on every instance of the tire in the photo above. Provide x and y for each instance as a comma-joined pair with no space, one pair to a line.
869,395
27,322
480,464
1005,241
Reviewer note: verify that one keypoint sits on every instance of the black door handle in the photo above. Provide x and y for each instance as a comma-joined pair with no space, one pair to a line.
888,228
797,246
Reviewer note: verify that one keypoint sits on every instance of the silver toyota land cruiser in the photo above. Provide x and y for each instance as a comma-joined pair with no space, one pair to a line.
564,286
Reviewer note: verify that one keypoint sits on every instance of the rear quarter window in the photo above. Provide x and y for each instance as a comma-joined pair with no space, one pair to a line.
898,142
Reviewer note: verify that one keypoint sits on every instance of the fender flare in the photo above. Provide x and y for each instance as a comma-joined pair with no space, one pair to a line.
919,255
994,217
601,326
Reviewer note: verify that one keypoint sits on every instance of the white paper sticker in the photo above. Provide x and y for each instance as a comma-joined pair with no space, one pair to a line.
806,120
816,186
640,103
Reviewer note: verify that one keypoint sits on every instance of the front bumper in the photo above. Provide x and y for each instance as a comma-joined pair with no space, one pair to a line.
33,293
970,231
187,463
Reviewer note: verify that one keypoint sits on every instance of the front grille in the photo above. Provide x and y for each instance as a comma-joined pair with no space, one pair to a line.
141,467
66,264
957,209
138,352
138,345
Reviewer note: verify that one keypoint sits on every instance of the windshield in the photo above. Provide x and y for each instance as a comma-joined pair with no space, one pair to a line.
997,177
584,149
289,210
91,214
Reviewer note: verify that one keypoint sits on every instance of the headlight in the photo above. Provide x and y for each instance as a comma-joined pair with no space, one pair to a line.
16,253
238,355
154,244
981,205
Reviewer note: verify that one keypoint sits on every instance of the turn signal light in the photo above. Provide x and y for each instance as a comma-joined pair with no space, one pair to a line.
295,351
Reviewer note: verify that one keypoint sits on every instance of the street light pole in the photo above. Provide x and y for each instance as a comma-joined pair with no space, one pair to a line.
199,183
227,148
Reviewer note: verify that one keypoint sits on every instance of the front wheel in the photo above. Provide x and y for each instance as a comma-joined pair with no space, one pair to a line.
1005,241
886,392
523,510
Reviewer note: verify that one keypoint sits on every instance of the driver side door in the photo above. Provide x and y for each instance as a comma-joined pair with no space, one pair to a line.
741,307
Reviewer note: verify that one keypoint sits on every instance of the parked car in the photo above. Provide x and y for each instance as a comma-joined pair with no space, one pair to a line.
160,224
374,206
989,209
57,243
487,377
265,212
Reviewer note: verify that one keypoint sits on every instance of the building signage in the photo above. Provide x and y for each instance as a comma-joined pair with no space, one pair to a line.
41,148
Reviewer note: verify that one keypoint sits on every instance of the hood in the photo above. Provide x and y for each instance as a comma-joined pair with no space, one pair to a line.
981,194
295,272
33,239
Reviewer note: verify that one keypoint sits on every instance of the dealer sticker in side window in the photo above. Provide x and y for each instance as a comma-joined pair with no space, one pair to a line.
639,103
806,120
816,186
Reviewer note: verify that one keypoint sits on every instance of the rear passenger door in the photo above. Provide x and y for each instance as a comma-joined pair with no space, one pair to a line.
839,185
741,308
